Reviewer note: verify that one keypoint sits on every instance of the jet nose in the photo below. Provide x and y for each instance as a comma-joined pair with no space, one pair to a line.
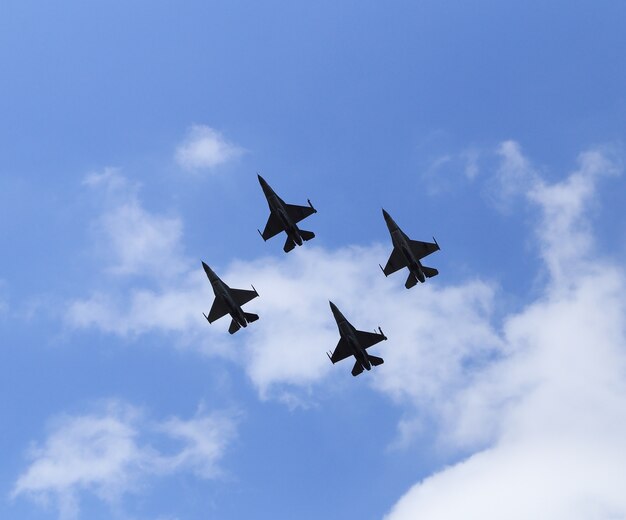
391,224
207,270
336,312
261,180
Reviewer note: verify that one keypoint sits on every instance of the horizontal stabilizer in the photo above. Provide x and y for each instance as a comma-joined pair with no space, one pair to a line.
357,369
289,245
234,327
410,281
250,317
307,235
375,361
429,272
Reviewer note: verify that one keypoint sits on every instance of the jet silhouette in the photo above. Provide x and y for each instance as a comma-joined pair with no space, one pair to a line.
229,301
408,253
284,217
353,343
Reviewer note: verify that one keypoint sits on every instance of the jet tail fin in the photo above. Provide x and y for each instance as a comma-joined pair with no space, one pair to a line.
250,317
429,272
357,369
289,245
234,327
410,281
375,361
307,235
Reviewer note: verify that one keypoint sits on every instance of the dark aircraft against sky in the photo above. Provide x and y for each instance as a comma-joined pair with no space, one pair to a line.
354,343
285,217
229,301
408,253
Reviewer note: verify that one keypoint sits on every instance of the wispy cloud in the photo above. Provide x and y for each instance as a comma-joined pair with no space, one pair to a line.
471,157
109,453
541,391
549,411
205,148
295,290
204,439
132,240
448,171
514,176
295,308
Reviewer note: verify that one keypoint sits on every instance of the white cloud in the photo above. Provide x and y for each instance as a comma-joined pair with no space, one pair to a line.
148,284
285,348
447,172
565,231
132,240
550,409
471,156
514,176
542,395
108,453
205,148
204,440
112,182
296,312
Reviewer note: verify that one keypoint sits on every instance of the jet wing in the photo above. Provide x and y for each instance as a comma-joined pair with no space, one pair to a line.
242,296
298,213
218,309
367,339
422,249
395,263
273,227
342,351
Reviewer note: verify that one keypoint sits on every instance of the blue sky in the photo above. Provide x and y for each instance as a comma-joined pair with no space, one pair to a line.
498,127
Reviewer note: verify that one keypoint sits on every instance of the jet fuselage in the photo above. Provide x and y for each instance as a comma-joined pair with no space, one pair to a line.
348,334
401,241
221,290
278,208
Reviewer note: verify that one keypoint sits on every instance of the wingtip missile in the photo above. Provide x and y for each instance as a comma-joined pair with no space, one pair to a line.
382,333
435,240
329,357
309,201
255,291
381,268
206,317
261,235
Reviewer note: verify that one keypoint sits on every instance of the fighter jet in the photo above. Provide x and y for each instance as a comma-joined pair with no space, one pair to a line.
284,217
353,343
229,301
408,253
